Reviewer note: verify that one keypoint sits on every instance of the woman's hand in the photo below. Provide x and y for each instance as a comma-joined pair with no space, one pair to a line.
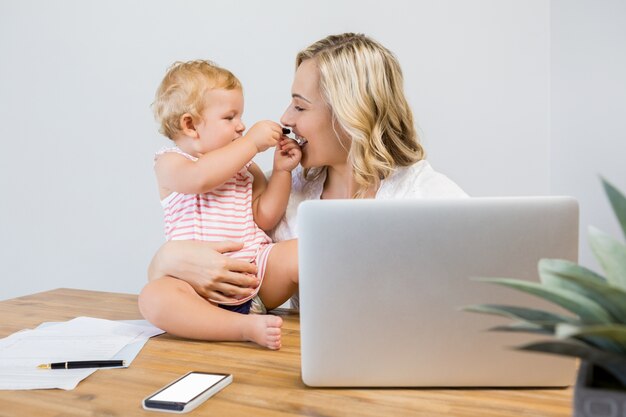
202,264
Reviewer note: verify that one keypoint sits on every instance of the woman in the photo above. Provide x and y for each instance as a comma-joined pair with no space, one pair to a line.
349,110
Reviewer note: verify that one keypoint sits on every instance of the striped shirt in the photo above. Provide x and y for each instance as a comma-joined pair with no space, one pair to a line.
224,213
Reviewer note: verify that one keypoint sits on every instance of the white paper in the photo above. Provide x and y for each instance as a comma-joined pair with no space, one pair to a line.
82,338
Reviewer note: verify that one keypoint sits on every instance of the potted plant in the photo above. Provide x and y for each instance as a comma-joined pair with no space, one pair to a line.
595,332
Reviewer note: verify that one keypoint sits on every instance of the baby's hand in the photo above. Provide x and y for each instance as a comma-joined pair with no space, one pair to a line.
264,134
287,155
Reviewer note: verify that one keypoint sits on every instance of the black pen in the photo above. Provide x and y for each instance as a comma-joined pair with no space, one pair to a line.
81,364
300,141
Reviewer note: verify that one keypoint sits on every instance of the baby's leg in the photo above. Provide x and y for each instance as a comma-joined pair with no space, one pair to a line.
281,274
174,306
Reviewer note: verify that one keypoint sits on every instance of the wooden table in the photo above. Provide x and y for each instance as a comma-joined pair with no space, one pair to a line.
266,383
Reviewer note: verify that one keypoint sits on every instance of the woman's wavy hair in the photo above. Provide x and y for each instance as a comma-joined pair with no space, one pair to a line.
183,91
362,83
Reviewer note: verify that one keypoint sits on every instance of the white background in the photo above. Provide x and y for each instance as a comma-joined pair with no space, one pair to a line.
512,98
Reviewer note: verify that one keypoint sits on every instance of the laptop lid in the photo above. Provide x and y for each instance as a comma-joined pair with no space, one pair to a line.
382,284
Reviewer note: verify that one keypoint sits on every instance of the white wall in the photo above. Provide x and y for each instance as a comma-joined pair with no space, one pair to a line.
79,205
588,106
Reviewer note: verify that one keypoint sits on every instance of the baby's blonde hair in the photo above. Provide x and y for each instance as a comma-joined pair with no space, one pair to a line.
362,83
183,91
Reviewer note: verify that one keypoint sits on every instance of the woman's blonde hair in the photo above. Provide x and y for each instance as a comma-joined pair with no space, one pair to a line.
183,91
362,83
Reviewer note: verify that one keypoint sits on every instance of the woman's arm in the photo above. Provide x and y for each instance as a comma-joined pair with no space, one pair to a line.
202,264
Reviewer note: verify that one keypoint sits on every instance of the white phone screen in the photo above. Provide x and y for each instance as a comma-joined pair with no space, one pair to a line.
188,388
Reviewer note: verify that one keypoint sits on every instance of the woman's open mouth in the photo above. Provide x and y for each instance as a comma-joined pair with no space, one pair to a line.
301,141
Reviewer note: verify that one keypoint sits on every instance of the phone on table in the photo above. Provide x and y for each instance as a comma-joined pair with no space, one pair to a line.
187,392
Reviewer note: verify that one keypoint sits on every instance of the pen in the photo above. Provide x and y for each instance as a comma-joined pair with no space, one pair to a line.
299,140
81,364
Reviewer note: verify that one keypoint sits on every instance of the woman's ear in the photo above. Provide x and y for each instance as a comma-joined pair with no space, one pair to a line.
187,127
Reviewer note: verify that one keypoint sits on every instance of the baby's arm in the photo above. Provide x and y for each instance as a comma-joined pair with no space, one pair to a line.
270,198
177,173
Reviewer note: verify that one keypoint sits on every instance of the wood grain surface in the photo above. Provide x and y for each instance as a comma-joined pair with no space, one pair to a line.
266,383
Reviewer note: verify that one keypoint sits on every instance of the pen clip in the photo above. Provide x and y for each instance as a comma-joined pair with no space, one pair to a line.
287,132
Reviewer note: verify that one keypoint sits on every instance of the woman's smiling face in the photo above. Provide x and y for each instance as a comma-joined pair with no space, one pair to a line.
310,117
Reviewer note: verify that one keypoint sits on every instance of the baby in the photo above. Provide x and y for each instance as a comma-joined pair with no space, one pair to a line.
211,190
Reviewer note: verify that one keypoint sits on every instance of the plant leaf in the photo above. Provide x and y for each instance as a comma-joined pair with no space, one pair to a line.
609,337
523,327
545,319
570,269
587,310
612,256
618,202
613,363
569,276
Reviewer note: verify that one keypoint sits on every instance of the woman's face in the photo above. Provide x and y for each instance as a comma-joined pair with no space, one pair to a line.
310,118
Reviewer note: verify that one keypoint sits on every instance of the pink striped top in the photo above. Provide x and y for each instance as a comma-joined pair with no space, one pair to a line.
224,213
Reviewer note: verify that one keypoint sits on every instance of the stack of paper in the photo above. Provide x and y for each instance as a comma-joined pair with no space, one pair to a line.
80,339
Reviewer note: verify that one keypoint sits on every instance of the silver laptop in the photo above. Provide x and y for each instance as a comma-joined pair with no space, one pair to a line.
382,284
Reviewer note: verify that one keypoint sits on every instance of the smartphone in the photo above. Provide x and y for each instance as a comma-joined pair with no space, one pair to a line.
187,392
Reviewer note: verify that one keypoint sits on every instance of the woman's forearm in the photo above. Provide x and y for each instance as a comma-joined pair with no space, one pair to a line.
163,262
204,266
184,259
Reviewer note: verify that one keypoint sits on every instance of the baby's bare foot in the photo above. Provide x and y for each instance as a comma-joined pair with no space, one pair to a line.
264,330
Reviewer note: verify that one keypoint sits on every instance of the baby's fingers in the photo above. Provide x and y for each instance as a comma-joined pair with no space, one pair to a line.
286,145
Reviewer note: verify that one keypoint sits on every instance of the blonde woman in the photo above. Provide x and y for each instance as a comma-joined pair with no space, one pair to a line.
349,111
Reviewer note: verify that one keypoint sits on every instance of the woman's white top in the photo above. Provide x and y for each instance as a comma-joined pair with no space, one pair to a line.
417,181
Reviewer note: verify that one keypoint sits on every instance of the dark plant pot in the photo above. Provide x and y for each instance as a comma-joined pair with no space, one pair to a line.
598,394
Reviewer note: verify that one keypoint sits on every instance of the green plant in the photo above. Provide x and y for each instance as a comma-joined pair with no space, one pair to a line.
596,332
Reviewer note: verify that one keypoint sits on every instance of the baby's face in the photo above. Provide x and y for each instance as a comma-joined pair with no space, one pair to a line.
221,120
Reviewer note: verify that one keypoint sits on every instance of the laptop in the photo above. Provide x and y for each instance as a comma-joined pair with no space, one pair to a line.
382,284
